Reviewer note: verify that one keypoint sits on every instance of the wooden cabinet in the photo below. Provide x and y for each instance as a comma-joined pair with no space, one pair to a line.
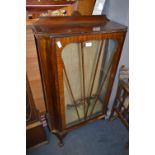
78,59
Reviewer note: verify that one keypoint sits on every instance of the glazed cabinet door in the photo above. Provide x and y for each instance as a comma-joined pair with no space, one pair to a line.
84,71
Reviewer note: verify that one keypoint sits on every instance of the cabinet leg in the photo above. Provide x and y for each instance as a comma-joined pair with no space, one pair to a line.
60,136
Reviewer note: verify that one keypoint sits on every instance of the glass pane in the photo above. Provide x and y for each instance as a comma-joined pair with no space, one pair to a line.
86,70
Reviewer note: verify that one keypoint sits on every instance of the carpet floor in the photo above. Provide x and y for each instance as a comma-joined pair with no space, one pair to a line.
99,138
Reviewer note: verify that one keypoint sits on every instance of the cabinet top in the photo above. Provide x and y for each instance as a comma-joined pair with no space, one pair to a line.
75,25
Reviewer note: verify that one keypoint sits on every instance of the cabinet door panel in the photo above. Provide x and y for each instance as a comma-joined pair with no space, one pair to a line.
86,72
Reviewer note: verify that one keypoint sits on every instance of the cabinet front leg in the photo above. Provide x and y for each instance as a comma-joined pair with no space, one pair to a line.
60,136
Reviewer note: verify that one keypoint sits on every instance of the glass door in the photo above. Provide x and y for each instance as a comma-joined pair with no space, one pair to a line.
86,72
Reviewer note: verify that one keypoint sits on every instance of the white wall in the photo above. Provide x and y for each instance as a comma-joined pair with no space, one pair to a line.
118,11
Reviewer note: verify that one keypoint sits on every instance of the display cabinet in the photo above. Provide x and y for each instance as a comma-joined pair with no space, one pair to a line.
78,58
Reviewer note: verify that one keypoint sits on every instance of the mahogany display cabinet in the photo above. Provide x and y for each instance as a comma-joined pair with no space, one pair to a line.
78,58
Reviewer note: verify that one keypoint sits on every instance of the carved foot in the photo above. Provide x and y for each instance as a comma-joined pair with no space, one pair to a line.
60,143
60,136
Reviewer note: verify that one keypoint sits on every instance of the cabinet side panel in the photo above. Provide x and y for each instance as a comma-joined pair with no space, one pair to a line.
45,54
120,40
